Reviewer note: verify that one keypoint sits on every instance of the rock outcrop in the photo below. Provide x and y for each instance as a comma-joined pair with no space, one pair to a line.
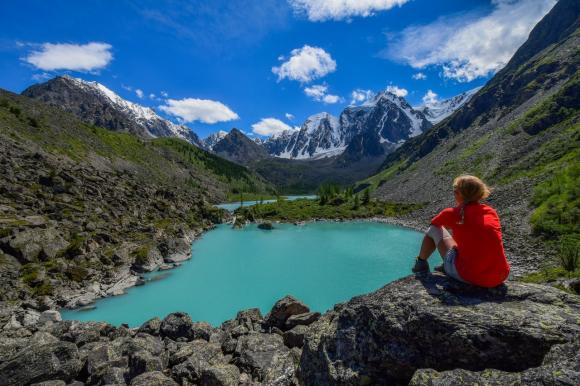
425,330
432,322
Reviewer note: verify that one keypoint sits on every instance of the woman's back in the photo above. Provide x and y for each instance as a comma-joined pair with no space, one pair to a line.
481,258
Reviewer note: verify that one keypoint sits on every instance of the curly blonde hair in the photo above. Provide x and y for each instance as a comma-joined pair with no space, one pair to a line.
471,188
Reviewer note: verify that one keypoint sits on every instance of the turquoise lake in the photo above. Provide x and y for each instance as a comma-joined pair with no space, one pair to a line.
321,263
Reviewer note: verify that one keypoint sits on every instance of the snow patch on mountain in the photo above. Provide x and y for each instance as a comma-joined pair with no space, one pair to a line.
213,139
436,110
146,117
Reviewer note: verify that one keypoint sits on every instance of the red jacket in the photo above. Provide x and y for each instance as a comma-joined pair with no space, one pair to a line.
481,258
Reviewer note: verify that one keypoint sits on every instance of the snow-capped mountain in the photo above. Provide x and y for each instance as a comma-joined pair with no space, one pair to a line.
96,104
387,118
368,130
436,111
387,115
320,136
213,139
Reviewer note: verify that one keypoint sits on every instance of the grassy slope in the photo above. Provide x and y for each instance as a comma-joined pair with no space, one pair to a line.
526,149
304,177
166,160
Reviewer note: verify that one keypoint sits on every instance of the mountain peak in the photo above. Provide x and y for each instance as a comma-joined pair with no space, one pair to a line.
96,104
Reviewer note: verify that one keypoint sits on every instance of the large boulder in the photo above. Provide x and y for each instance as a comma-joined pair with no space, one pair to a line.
435,322
177,325
561,366
265,357
37,363
284,309
32,244
220,375
193,358
153,378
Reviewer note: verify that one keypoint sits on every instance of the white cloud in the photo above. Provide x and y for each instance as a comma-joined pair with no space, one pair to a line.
139,93
316,92
419,76
152,96
125,87
83,58
270,126
320,10
430,99
319,92
359,96
289,116
164,94
204,110
41,77
305,64
469,46
331,99
398,91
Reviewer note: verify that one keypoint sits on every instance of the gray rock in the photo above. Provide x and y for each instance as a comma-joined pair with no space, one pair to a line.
32,244
560,367
201,356
37,363
220,375
266,226
49,316
50,383
153,378
101,355
295,336
177,325
252,314
266,358
201,330
151,327
435,322
109,376
283,309
144,362
304,319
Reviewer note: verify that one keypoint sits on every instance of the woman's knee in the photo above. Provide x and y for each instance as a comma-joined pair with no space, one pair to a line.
438,234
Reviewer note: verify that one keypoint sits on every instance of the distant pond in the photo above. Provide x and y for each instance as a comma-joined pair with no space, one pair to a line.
231,206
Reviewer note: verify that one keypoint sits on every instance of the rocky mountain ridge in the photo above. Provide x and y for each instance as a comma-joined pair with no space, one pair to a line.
437,110
84,210
520,133
94,103
373,128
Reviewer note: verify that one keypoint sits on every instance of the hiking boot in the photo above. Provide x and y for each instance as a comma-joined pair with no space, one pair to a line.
421,266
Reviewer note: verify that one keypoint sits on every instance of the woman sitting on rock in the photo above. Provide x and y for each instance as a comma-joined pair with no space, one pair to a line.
474,254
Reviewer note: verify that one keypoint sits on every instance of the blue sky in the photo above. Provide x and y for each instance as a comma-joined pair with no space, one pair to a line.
220,64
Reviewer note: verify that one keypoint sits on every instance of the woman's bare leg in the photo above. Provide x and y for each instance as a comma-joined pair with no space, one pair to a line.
427,247
446,242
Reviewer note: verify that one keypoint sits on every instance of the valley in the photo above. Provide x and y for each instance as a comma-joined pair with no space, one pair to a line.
136,251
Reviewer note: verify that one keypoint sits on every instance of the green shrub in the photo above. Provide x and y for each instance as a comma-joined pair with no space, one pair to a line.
141,255
569,254
77,273
44,289
29,273
557,202
366,197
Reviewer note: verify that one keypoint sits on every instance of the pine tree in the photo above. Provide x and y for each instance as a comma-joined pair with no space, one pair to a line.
366,197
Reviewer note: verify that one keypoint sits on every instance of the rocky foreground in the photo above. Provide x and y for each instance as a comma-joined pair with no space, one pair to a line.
424,330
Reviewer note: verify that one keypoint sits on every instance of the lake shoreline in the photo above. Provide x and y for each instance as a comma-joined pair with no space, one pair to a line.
144,280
